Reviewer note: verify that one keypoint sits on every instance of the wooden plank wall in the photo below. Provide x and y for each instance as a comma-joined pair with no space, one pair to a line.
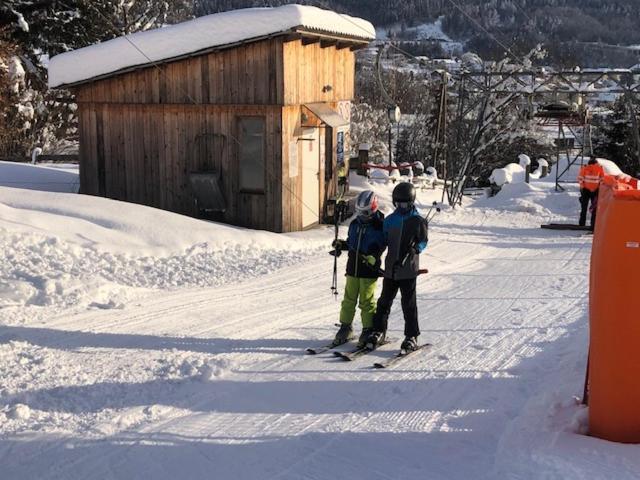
291,185
247,75
309,68
142,132
146,153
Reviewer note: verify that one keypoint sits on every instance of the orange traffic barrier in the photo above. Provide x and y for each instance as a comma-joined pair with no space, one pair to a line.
614,370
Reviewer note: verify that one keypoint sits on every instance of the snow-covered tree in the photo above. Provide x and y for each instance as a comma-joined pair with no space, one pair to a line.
370,125
33,31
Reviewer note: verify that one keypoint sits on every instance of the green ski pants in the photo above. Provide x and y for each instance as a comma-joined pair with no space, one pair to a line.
363,289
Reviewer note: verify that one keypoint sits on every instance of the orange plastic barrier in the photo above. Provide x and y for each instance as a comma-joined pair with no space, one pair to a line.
614,372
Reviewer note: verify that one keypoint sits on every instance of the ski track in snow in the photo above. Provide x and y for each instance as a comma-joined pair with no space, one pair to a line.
213,382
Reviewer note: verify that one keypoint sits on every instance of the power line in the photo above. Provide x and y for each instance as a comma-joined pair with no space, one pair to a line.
479,25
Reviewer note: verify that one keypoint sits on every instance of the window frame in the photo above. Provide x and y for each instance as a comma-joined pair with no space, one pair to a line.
263,161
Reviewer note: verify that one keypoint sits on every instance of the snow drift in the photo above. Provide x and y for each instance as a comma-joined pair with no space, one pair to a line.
78,249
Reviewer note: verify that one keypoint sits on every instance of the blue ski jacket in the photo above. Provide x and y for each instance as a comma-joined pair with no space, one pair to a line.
365,238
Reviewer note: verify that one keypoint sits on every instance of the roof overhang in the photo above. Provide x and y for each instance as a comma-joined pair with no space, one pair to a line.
327,115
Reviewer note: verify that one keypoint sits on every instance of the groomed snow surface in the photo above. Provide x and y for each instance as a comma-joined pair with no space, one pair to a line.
49,177
210,31
137,344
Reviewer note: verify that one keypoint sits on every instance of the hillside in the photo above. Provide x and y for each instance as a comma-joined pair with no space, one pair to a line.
568,28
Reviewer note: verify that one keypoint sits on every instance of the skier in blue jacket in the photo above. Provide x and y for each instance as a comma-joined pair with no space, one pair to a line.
406,237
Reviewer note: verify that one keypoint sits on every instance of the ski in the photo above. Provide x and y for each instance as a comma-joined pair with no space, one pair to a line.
319,350
358,352
401,355
324,348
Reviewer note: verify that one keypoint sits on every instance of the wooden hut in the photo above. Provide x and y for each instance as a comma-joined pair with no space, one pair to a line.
243,115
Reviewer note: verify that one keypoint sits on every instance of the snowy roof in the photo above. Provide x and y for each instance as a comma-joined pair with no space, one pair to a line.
201,34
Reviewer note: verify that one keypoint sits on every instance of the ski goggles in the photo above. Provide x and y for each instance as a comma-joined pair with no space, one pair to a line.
404,205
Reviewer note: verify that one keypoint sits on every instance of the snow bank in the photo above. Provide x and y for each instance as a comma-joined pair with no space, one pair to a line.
537,199
610,168
205,32
512,173
76,249
38,177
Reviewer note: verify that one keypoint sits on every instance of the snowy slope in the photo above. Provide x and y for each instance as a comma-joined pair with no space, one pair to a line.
59,178
78,250
209,380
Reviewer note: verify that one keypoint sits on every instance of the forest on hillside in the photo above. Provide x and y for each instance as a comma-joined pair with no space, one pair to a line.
575,32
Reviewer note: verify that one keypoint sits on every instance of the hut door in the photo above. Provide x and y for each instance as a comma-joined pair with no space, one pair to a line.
310,177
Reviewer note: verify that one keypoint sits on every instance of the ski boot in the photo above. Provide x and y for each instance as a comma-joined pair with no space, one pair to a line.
410,344
364,336
345,333
375,340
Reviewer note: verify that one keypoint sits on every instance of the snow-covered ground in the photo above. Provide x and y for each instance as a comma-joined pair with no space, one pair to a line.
50,177
136,343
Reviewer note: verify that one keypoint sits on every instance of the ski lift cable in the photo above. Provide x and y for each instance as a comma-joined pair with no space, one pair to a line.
191,99
524,12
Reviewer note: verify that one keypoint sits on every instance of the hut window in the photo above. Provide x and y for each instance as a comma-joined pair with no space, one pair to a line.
252,154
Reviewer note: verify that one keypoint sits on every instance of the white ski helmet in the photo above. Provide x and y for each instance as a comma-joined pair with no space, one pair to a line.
366,203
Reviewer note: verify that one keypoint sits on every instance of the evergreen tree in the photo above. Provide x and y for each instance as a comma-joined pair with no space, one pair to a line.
33,31
616,138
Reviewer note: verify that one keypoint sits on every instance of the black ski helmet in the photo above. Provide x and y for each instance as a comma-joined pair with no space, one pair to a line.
404,193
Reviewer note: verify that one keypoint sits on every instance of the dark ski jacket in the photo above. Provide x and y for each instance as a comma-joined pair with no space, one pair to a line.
405,235
365,238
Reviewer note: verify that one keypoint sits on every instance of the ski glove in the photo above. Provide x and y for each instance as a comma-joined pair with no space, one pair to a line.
370,259
340,245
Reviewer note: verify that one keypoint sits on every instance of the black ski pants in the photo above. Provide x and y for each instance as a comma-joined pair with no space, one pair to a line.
586,197
409,306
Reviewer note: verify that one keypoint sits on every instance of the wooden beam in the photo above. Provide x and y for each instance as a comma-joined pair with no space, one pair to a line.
342,45
328,43
310,40
293,37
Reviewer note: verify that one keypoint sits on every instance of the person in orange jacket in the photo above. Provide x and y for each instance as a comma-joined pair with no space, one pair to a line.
590,177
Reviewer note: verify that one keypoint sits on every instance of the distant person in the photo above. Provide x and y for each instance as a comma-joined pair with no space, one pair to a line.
365,243
590,178
405,233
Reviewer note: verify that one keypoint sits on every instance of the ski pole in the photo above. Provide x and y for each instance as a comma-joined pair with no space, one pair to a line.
433,211
337,215
334,282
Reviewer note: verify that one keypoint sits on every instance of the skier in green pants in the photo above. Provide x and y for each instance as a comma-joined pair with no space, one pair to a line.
365,244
